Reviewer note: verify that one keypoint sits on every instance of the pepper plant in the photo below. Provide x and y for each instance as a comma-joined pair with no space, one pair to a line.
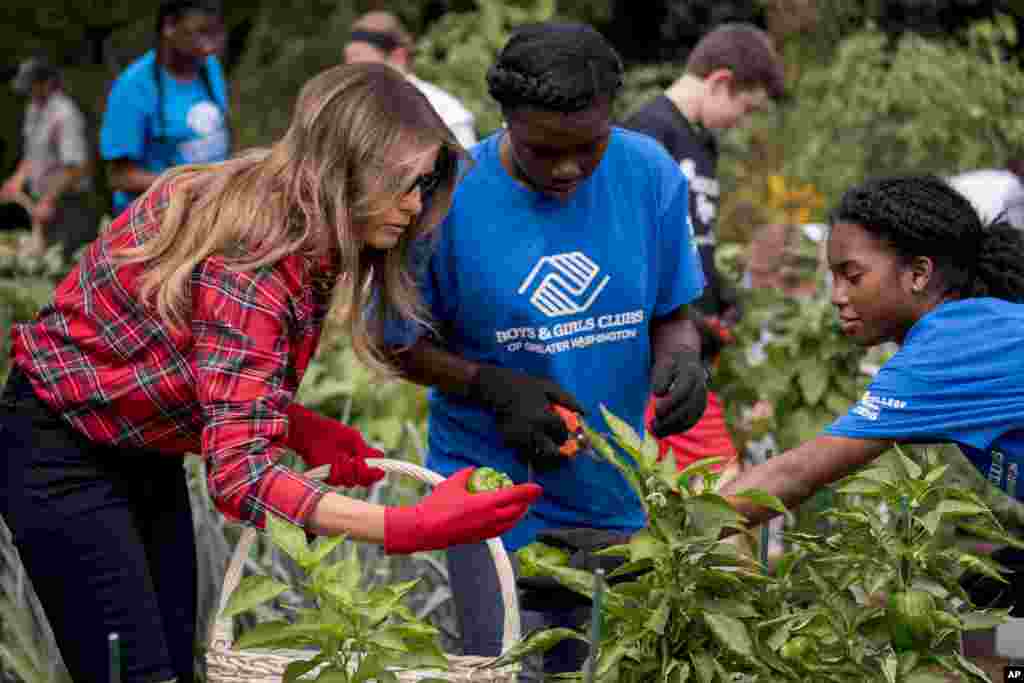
876,598
355,635
683,605
883,598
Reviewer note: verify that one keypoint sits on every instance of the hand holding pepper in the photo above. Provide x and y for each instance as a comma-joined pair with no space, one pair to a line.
453,515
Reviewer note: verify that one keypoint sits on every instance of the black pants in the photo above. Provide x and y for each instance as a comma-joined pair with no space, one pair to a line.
106,537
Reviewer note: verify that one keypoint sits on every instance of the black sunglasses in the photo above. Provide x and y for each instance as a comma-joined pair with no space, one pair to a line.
429,182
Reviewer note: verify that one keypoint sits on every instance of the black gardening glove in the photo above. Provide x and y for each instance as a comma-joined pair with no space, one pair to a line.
679,385
521,405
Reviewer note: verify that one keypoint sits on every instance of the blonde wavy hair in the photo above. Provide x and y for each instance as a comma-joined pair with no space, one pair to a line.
358,135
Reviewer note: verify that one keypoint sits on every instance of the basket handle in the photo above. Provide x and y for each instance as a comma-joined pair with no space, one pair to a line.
221,631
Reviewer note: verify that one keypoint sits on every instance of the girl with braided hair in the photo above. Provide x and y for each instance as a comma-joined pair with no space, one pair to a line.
913,263
561,275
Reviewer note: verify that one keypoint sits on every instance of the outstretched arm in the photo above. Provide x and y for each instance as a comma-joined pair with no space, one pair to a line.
429,364
798,473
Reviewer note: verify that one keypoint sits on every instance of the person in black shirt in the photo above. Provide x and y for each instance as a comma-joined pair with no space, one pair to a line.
732,72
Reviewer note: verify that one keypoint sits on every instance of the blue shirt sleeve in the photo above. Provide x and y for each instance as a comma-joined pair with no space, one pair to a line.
126,120
955,379
895,406
679,271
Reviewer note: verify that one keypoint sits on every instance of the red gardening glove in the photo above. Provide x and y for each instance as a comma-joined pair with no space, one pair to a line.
323,441
451,515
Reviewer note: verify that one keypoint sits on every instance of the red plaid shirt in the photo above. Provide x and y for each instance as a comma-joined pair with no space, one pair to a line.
221,387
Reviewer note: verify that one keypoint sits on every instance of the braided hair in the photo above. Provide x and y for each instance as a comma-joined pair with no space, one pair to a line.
924,216
173,9
560,67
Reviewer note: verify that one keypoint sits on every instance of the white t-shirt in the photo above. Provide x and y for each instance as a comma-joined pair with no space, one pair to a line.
55,137
459,119
992,192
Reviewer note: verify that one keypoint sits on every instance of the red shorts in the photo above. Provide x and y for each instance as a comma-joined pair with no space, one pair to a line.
709,438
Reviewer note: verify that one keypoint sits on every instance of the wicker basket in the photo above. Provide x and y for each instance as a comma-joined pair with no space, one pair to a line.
227,665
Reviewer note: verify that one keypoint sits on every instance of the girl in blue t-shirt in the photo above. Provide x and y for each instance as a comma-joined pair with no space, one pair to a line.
913,263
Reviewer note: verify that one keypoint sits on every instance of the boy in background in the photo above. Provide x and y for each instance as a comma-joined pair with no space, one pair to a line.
732,72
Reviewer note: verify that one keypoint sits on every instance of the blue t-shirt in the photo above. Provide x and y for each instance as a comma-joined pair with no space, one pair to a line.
959,377
564,291
193,128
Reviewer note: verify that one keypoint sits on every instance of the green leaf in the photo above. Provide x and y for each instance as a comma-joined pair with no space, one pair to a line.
860,487
853,517
642,567
610,654
422,653
983,619
738,609
759,497
950,508
730,632
703,666
837,404
649,452
19,626
644,546
288,537
278,633
989,533
351,573
881,475
968,667
678,671
908,661
699,468
659,619
581,582
416,630
388,638
621,550
623,432
981,565
935,474
369,668
912,469
296,670
21,665
606,451
709,512
813,380
322,547
251,592
383,601
926,676
539,641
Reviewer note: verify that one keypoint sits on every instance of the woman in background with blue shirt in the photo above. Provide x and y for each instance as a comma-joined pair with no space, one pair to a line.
169,107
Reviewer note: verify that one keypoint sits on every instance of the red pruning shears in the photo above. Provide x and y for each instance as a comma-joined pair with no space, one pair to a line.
719,329
577,438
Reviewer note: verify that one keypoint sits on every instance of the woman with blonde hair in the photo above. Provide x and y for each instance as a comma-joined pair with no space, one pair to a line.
187,327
